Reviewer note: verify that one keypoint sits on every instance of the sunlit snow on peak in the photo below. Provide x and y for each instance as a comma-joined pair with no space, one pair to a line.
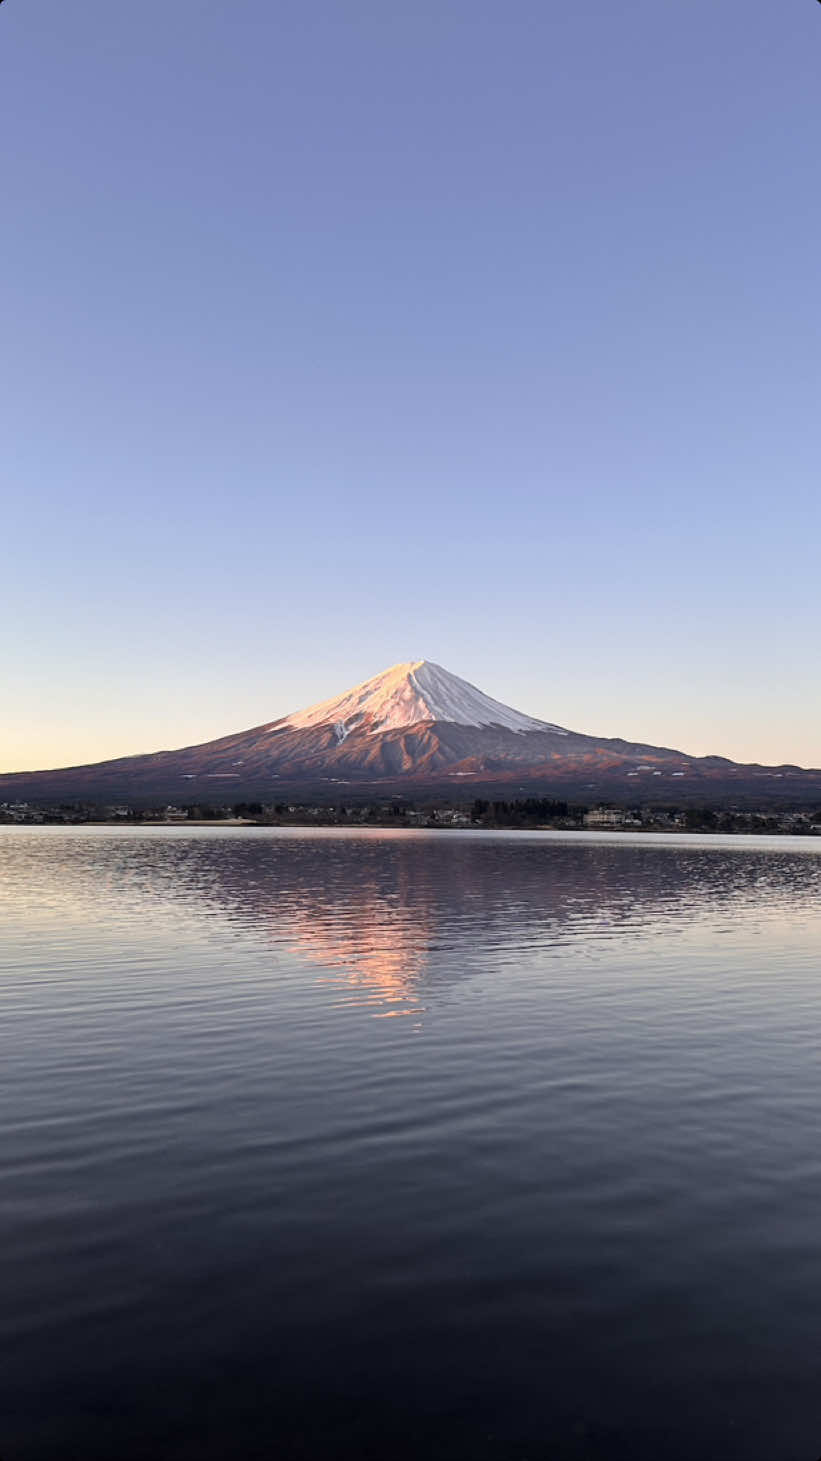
451,698
409,694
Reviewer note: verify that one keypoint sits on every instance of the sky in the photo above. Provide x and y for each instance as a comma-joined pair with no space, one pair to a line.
337,334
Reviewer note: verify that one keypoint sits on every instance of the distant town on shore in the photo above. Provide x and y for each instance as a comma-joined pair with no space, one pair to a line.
527,814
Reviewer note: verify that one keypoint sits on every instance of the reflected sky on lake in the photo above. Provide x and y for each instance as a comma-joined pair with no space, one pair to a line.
566,1205
382,912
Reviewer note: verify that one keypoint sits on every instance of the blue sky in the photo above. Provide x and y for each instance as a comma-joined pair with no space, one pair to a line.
339,334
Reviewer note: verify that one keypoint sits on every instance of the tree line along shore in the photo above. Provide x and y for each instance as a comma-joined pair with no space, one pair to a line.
528,813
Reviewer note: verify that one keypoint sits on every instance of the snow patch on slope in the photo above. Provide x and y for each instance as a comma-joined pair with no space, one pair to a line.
409,694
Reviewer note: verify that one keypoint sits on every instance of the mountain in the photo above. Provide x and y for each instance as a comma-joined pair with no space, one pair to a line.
414,728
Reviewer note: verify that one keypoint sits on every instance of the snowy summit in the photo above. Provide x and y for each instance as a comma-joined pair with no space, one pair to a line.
411,693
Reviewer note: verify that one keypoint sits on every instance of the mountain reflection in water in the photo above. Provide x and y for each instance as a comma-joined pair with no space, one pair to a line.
566,1208
379,907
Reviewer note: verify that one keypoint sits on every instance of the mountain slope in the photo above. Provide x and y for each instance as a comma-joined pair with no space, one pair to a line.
414,726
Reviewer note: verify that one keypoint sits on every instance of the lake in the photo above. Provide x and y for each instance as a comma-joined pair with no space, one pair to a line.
328,1145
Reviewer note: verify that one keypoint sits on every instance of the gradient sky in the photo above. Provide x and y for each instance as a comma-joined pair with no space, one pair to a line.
342,333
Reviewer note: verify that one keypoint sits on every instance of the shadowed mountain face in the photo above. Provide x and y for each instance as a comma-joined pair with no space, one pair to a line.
414,728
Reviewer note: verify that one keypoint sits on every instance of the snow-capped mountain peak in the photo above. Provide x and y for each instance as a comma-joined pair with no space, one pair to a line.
413,727
408,694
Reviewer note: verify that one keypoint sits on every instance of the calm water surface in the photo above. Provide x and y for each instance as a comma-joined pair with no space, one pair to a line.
330,1146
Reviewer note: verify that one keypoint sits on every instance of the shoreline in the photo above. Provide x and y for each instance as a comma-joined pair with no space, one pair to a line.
658,836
